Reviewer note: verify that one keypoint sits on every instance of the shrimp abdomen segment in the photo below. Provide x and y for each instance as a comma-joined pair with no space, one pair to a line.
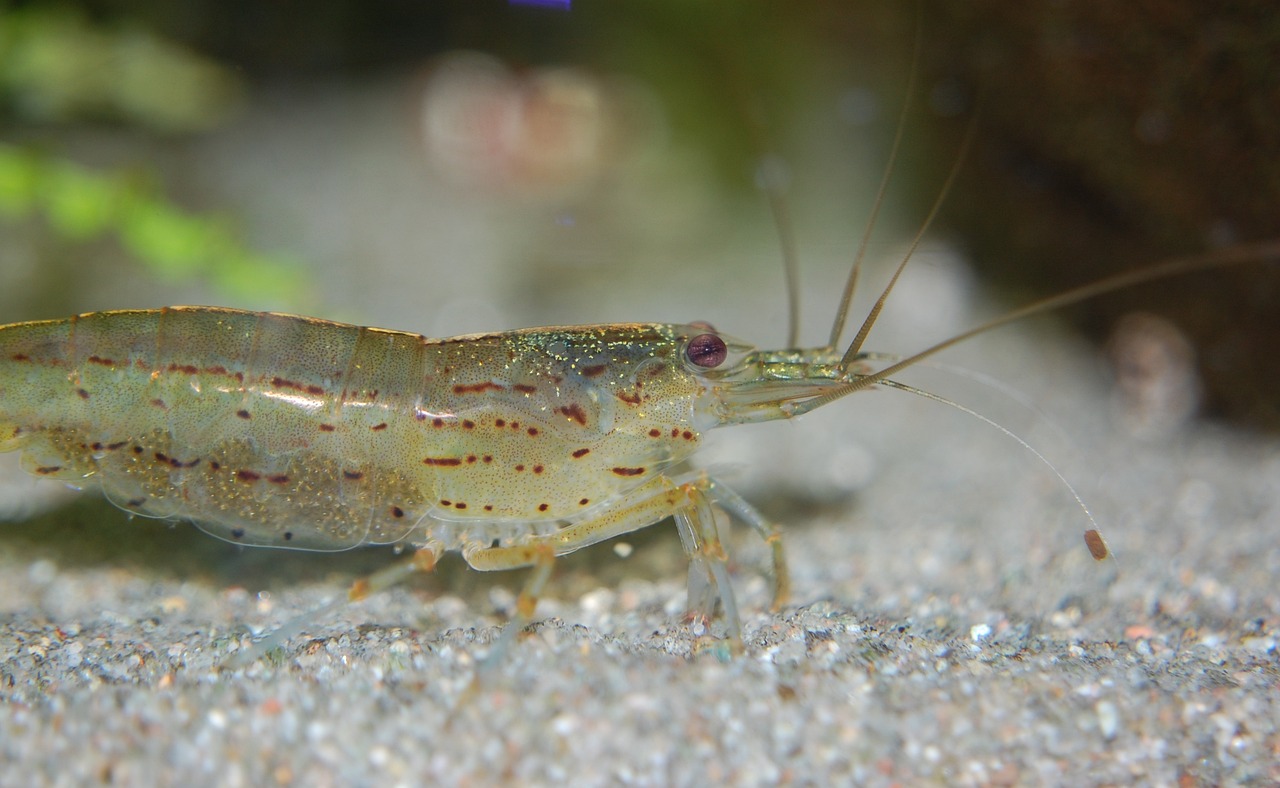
252,424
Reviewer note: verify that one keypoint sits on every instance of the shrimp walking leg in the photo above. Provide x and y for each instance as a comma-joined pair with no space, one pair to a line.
423,560
702,543
736,506
651,502
543,560
662,497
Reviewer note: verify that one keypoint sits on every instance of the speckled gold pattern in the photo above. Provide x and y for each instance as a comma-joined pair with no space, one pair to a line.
278,430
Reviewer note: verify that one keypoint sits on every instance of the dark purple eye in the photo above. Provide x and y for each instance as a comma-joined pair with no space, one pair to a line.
707,350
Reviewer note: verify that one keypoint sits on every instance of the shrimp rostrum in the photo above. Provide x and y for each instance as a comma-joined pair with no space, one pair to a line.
510,448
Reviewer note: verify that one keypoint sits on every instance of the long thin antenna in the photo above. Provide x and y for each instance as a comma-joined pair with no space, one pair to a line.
772,179
851,284
1218,258
851,354
771,174
893,384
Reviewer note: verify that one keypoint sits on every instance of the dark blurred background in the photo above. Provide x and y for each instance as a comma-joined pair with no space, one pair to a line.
577,140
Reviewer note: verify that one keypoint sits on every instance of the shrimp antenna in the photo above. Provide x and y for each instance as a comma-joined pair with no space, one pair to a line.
772,179
855,346
1217,258
893,384
851,284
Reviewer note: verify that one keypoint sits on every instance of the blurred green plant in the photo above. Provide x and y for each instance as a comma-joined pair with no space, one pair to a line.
82,205
56,68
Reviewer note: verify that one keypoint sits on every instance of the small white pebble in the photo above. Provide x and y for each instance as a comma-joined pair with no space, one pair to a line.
264,602
597,601
564,725
979,632
42,572
1262,645
1108,718
218,719
622,549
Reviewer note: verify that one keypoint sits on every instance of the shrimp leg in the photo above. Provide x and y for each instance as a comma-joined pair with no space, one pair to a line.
423,560
769,532
701,540
690,504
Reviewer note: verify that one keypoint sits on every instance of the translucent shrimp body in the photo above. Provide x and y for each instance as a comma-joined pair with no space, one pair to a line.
510,448
276,430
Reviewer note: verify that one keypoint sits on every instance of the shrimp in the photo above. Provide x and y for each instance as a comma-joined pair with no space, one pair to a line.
510,448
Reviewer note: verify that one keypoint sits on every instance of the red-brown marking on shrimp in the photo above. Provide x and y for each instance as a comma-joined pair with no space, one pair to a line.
595,370
525,388
442,461
477,388
575,412
628,471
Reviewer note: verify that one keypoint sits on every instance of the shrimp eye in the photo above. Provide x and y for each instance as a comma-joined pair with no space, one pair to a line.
706,350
